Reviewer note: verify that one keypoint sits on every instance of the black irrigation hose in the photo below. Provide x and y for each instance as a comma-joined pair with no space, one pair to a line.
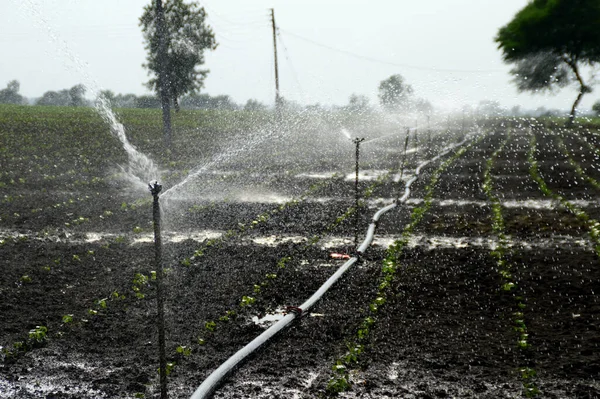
214,379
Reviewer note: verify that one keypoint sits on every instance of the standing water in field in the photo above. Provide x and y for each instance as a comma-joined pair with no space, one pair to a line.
140,168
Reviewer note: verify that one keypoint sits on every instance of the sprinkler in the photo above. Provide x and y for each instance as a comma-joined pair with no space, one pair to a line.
356,141
155,190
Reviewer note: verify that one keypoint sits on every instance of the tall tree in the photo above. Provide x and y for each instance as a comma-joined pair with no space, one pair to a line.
186,35
395,94
549,41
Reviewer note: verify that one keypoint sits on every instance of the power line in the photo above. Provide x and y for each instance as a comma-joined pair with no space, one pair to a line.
229,20
287,57
385,62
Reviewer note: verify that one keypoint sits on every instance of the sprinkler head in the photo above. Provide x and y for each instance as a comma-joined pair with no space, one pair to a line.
154,188
358,140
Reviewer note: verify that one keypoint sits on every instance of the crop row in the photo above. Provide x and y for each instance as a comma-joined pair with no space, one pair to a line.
341,381
575,165
592,225
505,269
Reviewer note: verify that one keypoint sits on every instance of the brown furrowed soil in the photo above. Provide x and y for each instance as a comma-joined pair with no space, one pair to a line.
79,262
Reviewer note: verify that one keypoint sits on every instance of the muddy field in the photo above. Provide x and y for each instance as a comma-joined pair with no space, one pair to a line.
79,263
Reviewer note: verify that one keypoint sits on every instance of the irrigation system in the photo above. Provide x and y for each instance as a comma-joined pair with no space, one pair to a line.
214,379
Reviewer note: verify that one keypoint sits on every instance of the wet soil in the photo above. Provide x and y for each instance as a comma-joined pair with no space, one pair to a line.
446,330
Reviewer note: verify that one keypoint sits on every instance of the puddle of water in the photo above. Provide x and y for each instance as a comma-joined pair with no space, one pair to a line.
545,204
269,318
177,237
54,383
430,242
322,175
274,240
367,175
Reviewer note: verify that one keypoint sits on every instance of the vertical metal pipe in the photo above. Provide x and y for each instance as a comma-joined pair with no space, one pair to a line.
403,164
357,141
428,132
155,190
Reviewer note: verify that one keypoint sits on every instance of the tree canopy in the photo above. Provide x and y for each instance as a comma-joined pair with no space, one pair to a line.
11,95
549,41
395,94
73,97
186,36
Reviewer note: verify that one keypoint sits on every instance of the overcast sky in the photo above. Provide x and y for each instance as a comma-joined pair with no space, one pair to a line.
328,49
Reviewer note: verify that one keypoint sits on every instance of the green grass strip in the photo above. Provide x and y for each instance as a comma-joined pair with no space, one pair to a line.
340,382
592,224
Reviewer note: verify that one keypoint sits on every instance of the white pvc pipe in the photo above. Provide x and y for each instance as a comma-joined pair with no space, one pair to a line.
213,380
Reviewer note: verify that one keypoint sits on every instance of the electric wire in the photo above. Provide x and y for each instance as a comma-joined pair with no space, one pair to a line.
385,62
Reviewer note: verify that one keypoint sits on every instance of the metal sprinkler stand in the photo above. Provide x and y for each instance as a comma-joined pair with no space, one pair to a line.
356,141
403,163
155,190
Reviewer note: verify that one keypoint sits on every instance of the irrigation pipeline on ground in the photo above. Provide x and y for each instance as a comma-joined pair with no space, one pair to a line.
214,379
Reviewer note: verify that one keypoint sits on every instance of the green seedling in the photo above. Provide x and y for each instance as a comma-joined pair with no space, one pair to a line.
184,350
210,326
38,334
101,303
247,301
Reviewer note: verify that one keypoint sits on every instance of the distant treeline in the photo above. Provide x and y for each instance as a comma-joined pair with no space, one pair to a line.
75,97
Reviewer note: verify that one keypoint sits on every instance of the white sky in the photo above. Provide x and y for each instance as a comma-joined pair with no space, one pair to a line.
99,42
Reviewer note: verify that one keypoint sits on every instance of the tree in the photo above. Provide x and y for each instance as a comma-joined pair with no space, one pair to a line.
394,93
147,102
186,36
11,95
253,105
596,108
125,100
206,101
109,95
423,106
358,103
549,41
76,98
489,108
72,97
54,98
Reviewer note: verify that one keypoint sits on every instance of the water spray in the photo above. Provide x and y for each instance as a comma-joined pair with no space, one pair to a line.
155,190
356,141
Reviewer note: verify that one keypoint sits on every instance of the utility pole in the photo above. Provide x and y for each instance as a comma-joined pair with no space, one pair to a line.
277,99
163,78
